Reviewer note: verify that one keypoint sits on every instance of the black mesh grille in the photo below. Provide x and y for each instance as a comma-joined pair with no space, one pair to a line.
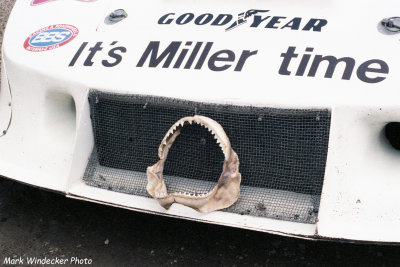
282,152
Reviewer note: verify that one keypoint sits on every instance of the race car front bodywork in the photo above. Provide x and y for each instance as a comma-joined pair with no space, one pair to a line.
304,92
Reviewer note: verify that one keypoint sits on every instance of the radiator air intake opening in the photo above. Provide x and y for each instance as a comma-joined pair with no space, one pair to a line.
282,151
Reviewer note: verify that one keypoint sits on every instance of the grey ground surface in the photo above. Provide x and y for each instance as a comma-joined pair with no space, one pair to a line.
42,224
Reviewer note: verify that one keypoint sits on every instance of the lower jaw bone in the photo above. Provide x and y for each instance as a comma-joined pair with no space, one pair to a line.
223,195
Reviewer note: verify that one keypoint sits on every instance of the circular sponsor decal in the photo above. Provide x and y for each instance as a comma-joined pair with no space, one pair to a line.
39,2
50,37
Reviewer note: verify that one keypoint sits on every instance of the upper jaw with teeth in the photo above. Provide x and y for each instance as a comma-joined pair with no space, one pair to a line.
212,126
223,195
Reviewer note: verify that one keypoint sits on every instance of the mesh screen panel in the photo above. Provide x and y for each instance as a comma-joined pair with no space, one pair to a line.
282,152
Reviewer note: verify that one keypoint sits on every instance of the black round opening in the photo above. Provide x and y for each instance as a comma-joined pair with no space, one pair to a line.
195,154
392,133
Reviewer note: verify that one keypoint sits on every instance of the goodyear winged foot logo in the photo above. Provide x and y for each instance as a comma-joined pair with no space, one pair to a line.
242,18
255,18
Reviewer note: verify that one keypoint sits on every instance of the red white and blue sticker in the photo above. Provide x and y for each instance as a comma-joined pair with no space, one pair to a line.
50,37
39,2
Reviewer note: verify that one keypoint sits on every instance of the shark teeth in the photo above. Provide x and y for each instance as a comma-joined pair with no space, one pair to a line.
188,194
181,124
203,202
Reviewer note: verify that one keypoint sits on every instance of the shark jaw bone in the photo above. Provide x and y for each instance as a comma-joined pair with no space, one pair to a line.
223,195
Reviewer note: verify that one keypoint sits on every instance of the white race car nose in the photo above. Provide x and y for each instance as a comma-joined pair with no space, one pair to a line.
309,101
